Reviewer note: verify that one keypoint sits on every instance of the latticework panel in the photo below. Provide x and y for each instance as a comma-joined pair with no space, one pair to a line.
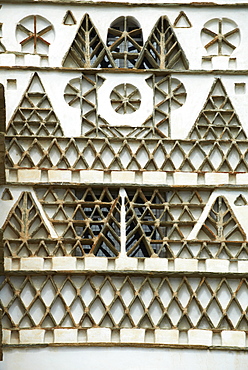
162,49
88,221
200,250
77,221
125,46
218,119
87,49
120,154
155,217
76,301
35,114
125,41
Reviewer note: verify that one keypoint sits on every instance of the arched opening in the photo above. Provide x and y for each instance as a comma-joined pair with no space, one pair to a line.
125,41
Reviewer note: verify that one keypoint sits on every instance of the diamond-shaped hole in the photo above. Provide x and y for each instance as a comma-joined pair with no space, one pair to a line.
165,294
136,311
224,296
87,293
155,312
146,294
77,310
27,294
58,310
16,311
107,293
6,295
68,292
214,313
174,312
48,293
117,311
127,294
97,310
183,295
37,311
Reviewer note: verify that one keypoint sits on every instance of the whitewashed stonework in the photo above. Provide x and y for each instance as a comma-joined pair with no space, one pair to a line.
124,211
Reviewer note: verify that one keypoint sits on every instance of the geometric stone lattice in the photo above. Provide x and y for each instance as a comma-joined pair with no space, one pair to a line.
124,301
34,33
125,98
87,49
25,221
221,224
81,93
171,249
220,36
155,217
125,41
35,114
148,154
162,49
218,119
89,217
168,94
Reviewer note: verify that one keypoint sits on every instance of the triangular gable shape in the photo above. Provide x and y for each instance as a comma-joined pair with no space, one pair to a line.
69,19
162,49
87,49
34,111
7,194
221,223
217,116
182,21
25,221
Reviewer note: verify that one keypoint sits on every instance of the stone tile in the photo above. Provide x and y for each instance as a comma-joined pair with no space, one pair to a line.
91,177
126,263
123,177
6,336
32,60
152,177
32,336
217,265
29,175
156,264
132,335
96,263
243,266
64,263
214,178
200,337
166,336
59,176
32,263
65,335
242,178
185,178
7,263
233,338
99,335
185,264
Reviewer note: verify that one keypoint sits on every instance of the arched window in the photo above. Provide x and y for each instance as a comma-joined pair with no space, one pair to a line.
125,41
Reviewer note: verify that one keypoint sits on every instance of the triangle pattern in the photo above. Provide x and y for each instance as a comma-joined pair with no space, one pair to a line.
221,223
7,194
182,21
69,19
35,113
218,118
25,221
162,49
87,49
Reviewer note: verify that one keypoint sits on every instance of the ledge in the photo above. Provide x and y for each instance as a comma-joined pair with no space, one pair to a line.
193,338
